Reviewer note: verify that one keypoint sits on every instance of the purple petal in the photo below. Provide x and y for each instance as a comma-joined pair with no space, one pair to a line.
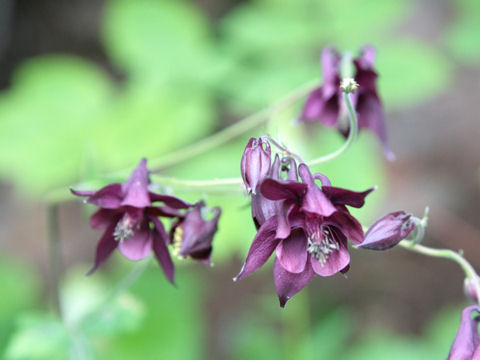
339,196
292,252
164,211
283,190
467,341
388,231
323,179
135,189
262,247
336,261
371,115
139,246
348,225
105,247
315,201
108,197
367,57
331,71
288,284
170,201
102,218
162,254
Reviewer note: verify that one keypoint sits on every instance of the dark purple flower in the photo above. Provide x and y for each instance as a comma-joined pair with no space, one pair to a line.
192,235
255,164
325,103
388,231
315,225
130,220
466,343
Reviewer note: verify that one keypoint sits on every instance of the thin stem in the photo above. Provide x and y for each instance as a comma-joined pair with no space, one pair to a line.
225,135
165,180
447,254
352,135
55,256
285,150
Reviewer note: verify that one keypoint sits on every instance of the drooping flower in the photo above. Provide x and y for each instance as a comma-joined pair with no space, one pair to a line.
192,235
307,227
130,219
255,164
325,103
470,289
388,231
466,345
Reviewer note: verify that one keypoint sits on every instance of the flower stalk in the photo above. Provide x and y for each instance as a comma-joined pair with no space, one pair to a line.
55,257
352,135
446,254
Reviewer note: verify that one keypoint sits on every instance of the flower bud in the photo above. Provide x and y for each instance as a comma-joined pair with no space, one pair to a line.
255,164
469,288
388,231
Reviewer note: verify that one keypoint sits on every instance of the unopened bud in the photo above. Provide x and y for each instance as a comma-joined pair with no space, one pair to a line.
470,289
349,85
255,164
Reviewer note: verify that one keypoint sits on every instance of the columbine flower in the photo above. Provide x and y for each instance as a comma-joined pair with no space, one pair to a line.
255,163
466,345
470,289
131,220
193,235
388,231
315,225
325,104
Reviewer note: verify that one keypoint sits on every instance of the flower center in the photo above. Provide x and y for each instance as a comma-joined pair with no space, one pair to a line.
322,249
125,229
177,241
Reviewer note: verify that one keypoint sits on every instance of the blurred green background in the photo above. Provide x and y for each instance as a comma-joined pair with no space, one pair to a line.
90,87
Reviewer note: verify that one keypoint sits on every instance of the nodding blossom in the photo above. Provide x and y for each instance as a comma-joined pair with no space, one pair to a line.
325,103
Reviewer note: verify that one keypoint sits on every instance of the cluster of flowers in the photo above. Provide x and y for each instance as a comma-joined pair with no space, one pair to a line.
306,224
130,215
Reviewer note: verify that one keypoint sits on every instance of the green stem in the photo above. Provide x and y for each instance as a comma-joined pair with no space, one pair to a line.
352,135
447,254
165,180
55,256
225,135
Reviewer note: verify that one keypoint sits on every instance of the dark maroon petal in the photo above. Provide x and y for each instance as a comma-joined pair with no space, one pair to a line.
388,231
164,211
348,225
371,115
169,200
102,218
262,247
135,189
313,108
331,71
108,197
82,192
139,246
283,190
292,252
197,233
467,340
336,261
105,247
160,249
346,197
255,163
315,201
288,284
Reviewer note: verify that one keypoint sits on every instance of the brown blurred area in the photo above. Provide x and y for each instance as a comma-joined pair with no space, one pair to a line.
436,143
